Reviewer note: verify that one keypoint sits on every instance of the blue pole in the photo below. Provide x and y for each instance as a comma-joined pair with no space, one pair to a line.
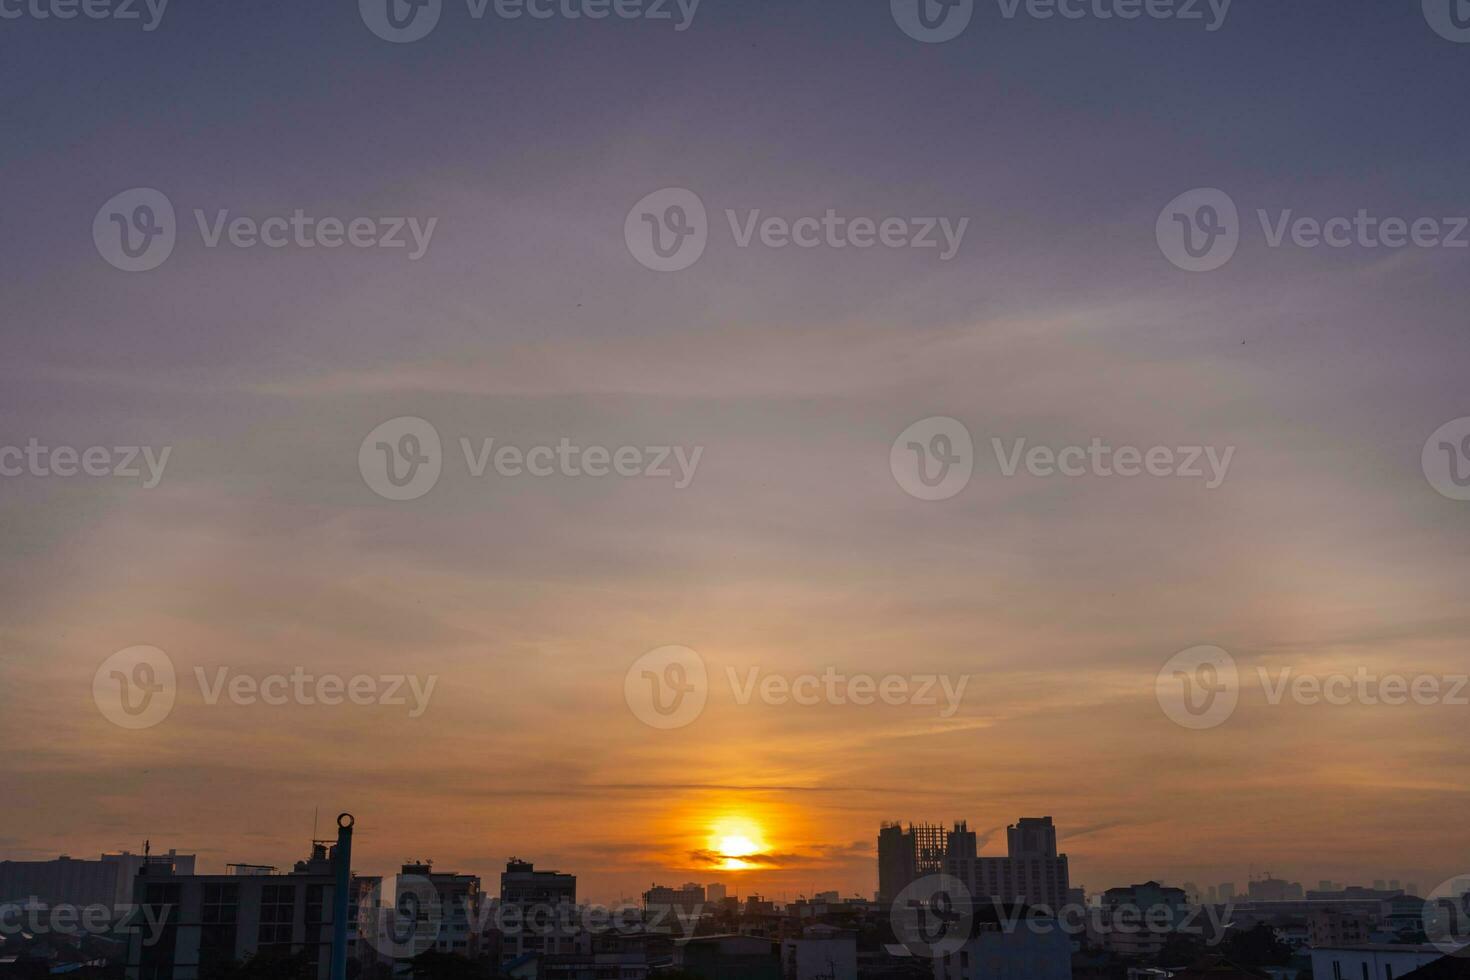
342,869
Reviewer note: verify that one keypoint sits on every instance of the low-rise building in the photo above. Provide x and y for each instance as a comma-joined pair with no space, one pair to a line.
209,921
820,954
1375,961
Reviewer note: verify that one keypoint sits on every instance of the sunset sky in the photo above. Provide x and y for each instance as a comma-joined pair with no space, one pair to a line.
793,550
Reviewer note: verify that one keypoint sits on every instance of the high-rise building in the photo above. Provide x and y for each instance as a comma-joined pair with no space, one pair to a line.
686,900
448,901
1276,890
107,882
522,884
1032,872
206,922
1032,837
1131,907
1227,891
1338,927
905,856
536,914
715,893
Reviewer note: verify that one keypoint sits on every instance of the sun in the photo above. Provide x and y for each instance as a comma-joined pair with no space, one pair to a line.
737,842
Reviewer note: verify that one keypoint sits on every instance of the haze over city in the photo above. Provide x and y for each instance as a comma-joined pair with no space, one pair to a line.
764,520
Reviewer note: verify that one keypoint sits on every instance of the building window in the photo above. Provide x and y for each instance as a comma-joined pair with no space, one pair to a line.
218,913
277,913
156,959
221,904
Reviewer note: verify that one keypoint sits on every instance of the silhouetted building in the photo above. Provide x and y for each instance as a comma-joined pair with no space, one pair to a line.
1139,918
1275,890
1032,872
905,856
730,958
820,954
449,901
1338,927
686,900
522,884
1032,837
1031,947
1375,961
209,921
70,881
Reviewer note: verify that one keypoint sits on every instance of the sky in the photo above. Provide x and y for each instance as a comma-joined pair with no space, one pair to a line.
794,543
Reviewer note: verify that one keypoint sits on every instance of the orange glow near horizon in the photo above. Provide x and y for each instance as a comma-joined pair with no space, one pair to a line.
736,841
